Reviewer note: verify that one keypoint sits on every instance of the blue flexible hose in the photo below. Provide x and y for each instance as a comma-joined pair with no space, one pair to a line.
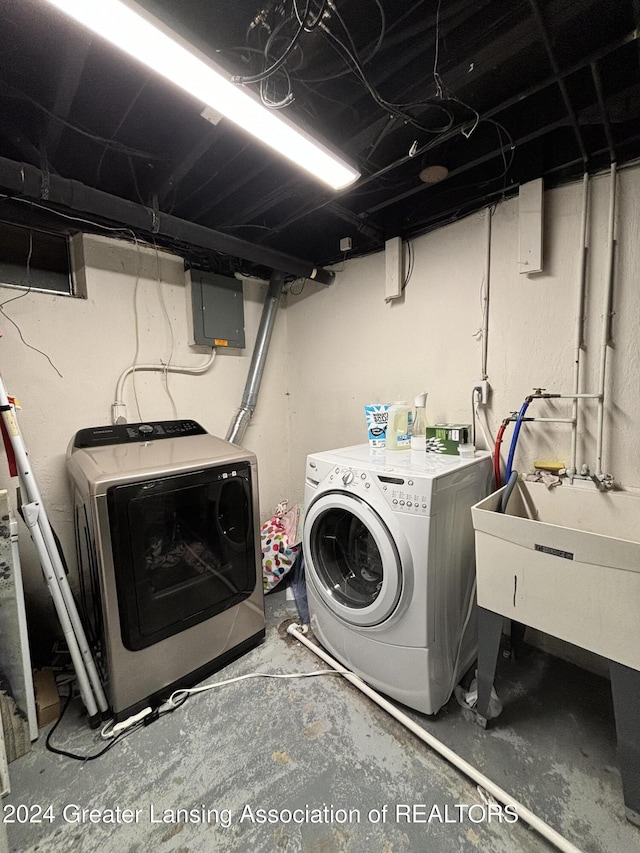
514,439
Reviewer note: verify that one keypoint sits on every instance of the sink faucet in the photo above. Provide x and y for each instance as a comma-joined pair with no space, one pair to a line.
604,482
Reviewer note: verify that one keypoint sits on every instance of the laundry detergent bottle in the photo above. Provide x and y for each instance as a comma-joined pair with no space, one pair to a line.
398,427
419,425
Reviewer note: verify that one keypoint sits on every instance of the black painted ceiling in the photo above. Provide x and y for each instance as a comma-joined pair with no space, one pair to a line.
497,91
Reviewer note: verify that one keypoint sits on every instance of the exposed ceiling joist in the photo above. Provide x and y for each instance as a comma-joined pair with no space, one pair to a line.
70,77
395,86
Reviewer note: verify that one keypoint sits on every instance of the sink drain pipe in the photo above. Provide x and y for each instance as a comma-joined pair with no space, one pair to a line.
243,415
452,757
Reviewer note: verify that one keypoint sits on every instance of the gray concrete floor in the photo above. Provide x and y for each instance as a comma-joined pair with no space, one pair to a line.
316,742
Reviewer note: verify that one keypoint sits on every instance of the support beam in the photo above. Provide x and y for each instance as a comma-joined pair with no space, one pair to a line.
27,182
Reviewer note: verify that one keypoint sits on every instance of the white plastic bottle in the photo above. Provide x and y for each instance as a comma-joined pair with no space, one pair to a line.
398,436
419,425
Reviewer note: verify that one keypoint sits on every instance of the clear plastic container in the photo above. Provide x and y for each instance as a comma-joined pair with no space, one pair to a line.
467,451
398,423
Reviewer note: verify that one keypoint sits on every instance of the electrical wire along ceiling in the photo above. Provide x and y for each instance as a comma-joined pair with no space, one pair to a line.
442,106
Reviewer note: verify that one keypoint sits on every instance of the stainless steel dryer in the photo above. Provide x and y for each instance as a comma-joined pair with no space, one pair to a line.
167,533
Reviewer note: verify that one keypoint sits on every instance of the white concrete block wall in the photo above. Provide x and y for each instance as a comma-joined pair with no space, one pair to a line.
336,348
347,347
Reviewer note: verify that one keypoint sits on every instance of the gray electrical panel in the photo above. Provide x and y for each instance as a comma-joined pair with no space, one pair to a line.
217,310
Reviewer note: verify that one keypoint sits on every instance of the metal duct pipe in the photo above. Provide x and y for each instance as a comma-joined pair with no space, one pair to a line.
243,415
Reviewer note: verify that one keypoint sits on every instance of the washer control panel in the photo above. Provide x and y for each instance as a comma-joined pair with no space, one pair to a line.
349,478
403,494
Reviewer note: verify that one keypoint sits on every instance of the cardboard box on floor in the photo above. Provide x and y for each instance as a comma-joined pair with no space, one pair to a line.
47,698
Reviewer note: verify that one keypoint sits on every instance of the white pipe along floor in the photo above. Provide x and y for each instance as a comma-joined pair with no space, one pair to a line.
314,765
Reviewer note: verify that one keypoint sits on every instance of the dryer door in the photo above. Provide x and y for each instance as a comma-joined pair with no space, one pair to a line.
351,558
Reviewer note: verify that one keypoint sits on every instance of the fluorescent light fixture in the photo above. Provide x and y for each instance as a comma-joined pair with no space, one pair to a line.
132,29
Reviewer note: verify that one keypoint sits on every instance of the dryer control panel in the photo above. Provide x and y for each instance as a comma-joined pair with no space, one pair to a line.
126,433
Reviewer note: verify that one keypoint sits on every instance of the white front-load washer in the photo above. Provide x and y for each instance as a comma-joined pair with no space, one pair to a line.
389,552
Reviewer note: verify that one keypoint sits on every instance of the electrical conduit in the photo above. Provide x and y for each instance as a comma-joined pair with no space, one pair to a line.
442,749
118,407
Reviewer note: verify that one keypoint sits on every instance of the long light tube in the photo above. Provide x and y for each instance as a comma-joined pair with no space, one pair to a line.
132,29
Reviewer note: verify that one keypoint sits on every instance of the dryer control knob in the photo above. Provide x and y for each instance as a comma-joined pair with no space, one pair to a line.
347,477
145,429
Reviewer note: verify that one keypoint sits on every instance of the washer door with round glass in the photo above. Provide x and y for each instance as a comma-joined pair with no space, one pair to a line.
351,559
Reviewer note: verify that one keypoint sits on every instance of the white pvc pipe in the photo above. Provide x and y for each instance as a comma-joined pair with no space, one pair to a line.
526,420
604,344
452,757
487,278
160,368
579,321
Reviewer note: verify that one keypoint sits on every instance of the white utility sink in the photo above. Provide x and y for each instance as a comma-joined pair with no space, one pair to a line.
565,561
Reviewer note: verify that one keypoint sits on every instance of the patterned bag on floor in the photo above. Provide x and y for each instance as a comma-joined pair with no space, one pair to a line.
277,542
